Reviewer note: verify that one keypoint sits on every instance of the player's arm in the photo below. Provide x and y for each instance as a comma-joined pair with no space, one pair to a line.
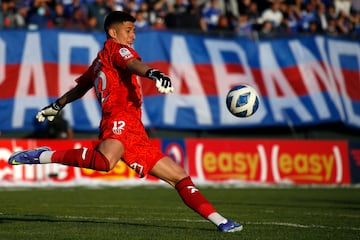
54,108
163,82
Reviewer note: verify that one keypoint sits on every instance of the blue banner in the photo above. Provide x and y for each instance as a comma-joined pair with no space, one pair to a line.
302,81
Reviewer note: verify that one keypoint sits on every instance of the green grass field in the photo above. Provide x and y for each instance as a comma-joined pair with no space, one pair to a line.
158,213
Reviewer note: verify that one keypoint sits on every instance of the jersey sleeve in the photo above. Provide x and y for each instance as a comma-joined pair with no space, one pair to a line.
124,55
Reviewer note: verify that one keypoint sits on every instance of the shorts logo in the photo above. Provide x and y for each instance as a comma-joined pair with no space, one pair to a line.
118,127
125,53
138,168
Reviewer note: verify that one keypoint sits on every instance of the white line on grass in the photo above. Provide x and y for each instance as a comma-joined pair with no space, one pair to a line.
295,225
285,224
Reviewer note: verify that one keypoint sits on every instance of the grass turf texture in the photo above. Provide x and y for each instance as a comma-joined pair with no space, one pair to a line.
158,213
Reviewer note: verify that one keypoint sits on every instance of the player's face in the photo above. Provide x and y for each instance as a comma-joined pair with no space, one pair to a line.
125,33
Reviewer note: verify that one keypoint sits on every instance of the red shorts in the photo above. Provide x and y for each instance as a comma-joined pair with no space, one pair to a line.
139,153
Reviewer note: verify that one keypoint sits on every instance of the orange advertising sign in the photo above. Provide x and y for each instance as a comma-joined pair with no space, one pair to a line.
269,161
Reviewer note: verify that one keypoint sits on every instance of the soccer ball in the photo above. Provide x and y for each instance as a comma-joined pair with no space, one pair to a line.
242,101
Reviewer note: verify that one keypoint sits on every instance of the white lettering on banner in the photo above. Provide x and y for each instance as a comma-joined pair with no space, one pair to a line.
182,68
39,172
263,162
338,49
225,80
199,148
2,60
331,83
6,171
34,172
31,69
338,160
67,43
309,73
273,76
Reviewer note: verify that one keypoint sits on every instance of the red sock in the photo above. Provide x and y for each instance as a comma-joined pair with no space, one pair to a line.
84,158
193,198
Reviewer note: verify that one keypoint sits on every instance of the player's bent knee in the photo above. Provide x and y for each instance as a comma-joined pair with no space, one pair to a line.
98,161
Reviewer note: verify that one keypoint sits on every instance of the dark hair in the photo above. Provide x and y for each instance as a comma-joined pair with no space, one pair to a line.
116,17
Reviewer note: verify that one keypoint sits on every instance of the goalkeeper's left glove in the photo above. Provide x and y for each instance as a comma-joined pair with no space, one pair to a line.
49,112
163,82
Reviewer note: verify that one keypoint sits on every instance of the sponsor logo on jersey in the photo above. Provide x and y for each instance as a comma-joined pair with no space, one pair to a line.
125,53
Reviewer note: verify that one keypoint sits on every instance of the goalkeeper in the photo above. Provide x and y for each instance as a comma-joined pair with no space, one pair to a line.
122,134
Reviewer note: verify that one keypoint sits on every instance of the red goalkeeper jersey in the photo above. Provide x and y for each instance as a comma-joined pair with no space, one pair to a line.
115,86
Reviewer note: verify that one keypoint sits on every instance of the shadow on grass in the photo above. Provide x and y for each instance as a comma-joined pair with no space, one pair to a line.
8,218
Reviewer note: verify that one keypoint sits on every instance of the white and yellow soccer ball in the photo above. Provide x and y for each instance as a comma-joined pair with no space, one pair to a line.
242,101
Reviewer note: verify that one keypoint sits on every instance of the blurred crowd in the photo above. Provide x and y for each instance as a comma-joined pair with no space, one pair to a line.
334,17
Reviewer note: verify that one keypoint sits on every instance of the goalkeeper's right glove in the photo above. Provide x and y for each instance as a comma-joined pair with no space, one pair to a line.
49,112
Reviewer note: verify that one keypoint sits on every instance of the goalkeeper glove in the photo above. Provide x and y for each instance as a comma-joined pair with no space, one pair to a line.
163,82
49,112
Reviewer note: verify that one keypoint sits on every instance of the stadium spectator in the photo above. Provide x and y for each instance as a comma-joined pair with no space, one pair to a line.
243,26
284,26
70,7
59,16
223,24
141,23
41,15
356,23
159,24
267,28
307,15
229,8
78,20
273,14
314,28
320,17
160,8
122,134
9,17
182,14
254,16
179,7
330,12
294,18
210,16
130,7
343,23
115,5
148,15
97,10
244,6
332,29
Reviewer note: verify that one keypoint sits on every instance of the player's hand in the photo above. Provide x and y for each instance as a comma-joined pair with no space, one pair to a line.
49,112
163,82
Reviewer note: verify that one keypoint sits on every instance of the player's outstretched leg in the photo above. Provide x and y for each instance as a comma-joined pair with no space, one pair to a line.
83,157
27,156
167,170
193,198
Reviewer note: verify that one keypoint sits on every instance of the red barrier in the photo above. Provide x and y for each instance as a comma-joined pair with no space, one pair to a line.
207,160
